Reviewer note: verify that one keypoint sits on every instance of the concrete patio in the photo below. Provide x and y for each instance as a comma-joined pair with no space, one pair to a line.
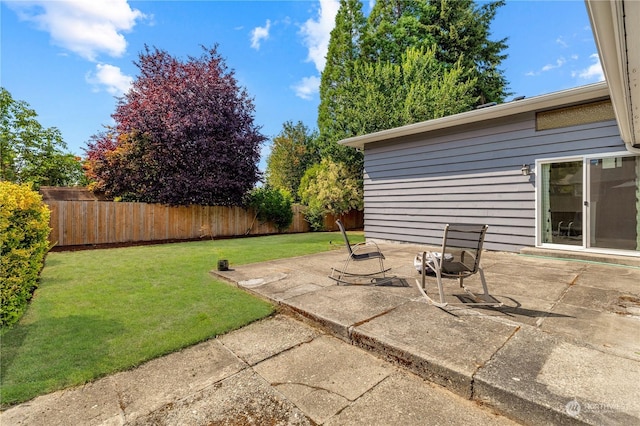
564,349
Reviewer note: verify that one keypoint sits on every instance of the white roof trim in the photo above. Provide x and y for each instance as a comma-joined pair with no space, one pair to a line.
616,32
553,100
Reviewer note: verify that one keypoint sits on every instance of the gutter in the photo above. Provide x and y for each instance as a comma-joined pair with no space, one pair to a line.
616,32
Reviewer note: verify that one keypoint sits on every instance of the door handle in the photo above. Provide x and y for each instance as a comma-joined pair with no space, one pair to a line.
586,204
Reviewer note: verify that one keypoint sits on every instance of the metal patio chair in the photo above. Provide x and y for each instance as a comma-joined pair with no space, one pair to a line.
459,258
366,251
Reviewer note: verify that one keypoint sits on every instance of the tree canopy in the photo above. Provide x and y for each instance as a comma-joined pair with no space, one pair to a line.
31,153
184,134
408,61
329,187
293,151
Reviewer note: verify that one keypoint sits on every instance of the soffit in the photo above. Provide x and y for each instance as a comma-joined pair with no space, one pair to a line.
617,35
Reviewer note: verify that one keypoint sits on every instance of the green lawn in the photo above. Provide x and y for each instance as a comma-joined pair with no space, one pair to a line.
101,311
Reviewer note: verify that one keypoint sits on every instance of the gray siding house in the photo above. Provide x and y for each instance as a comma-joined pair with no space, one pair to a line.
558,171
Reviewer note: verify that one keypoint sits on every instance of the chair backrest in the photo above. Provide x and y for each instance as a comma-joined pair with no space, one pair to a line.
344,235
464,242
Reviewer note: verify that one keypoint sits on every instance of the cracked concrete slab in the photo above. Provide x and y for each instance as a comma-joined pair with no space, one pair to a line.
605,331
95,403
434,344
244,398
340,307
409,400
541,379
264,339
339,373
160,381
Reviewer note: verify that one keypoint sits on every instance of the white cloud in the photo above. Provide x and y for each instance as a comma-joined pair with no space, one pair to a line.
258,34
559,62
593,72
86,28
560,40
316,33
307,87
111,79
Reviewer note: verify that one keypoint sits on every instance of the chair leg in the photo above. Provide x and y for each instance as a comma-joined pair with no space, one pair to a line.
382,267
440,288
422,283
379,277
485,298
484,281
344,268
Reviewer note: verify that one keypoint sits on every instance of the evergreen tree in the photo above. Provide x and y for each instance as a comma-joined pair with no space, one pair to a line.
458,29
411,60
393,26
343,51
384,95
461,30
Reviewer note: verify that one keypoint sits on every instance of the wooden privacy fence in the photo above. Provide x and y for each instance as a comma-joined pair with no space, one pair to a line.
76,223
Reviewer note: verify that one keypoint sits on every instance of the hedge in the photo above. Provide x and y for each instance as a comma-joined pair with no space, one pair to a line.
24,228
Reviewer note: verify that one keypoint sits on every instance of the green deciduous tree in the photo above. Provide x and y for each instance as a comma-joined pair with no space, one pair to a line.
294,150
31,153
272,205
329,187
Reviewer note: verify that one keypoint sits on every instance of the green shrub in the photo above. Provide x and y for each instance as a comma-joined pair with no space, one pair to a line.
272,205
24,229
315,214
327,188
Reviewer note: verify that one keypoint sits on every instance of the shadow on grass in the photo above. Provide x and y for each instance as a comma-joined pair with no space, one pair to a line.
49,355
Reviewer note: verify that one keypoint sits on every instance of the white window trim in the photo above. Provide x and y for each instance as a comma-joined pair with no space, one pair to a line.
585,196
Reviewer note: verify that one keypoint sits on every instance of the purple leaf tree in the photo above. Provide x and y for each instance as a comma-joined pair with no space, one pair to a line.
184,134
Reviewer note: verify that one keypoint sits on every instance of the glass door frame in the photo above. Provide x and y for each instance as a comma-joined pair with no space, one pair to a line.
586,192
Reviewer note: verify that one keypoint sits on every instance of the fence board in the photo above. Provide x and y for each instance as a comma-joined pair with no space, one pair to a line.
75,223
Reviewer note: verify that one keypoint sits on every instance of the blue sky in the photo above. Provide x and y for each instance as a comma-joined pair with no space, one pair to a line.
69,59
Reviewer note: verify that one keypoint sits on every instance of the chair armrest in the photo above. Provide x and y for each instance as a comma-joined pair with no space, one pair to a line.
363,245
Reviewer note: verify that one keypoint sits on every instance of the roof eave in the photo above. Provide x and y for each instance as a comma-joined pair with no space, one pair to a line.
537,103
615,29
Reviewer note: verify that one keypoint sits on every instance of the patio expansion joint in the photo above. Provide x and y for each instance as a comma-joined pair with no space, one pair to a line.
493,355
353,326
573,283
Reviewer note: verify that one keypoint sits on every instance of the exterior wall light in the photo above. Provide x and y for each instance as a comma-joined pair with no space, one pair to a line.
526,170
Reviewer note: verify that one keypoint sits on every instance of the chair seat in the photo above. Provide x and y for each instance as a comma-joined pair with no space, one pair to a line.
357,252
368,255
459,258
455,268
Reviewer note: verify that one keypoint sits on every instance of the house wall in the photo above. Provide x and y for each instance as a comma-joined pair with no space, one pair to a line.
469,174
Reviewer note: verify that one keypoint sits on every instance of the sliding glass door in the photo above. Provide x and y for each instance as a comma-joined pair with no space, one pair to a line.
613,203
591,202
562,202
